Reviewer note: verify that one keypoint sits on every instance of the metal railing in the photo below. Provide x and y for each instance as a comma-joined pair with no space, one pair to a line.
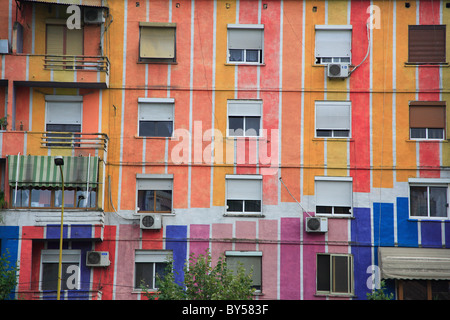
69,62
74,140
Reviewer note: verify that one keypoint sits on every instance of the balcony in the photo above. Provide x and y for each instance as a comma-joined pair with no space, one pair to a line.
94,141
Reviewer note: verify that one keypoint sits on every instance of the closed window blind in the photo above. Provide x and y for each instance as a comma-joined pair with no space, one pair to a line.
333,115
334,193
426,43
244,108
244,189
244,37
427,114
157,40
55,40
333,41
156,111
60,111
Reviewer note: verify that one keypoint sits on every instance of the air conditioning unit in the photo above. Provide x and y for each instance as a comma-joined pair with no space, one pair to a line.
97,259
316,224
337,70
93,16
151,221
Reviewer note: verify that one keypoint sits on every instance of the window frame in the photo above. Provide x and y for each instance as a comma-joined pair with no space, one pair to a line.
147,102
331,180
331,28
260,51
243,177
153,257
53,258
350,274
423,182
154,178
155,25
336,103
248,254
424,104
245,102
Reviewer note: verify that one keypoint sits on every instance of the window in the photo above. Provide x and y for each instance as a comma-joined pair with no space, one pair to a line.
48,197
245,43
334,273
426,44
333,119
333,44
157,42
154,193
427,120
244,118
49,271
155,117
149,264
60,41
334,196
63,114
244,193
424,289
428,200
250,261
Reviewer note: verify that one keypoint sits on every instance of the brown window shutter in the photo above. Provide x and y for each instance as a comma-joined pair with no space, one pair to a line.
427,114
157,42
426,43
74,42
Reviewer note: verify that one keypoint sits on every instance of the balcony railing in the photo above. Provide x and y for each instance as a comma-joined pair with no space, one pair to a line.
67,62
74,140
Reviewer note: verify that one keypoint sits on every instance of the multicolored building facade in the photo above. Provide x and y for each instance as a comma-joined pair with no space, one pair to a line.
305,139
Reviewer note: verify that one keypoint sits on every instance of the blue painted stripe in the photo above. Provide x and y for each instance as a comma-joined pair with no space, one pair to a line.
9,236
81,231
177,242
407,234
383,224
431,234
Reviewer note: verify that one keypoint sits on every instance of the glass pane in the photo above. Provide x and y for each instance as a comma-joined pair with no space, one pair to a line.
146,200
324,133
440,290
419,201
160,271
340,274
144,275
147,129
164,129
163,200
252,55
22,198
236,55
252,205
342,210
235,205
345,60
326,60
341,133
324,209
41,198
435,133
438,201
415,290
84,200
252,125
69,195
323,272
50,276
418,133
236,126
65,274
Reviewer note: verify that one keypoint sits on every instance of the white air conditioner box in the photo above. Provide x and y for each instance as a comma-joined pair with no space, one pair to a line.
97,259
151,221
93,15
337,70
316,224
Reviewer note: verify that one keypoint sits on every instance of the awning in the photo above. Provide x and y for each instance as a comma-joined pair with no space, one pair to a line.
40,171
414,263
87,3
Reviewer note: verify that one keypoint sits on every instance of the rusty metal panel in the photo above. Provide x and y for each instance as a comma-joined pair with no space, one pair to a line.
426,43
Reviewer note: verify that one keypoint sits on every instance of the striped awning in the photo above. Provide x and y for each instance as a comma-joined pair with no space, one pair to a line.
87,3
414,263
41,171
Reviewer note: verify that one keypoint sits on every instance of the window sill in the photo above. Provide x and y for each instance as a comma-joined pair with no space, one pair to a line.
427,219
154,138
427,140
335,295
329,216
156,62
333,139
427,64
245,64
244,215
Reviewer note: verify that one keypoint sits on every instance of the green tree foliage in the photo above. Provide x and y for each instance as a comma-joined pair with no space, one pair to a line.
379,294
8,277
202,281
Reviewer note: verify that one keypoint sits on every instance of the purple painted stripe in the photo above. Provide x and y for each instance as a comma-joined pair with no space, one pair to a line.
290,259
199,238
